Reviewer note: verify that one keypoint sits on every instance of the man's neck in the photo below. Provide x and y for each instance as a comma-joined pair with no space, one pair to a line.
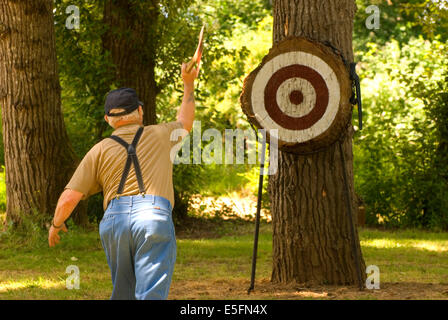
125,123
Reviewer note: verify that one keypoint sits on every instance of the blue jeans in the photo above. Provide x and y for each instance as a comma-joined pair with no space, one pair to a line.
137,234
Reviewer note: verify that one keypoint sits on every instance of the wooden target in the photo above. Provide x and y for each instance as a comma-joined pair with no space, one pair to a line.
302,89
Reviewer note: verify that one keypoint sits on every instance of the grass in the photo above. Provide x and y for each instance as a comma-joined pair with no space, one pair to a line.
408,255
412,264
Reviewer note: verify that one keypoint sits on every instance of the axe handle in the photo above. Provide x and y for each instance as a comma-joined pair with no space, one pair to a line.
198,54
190,65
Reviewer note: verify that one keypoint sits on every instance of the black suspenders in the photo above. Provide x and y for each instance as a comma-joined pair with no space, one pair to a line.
132,157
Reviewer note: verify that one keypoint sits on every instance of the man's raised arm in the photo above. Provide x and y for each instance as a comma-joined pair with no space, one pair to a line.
185,115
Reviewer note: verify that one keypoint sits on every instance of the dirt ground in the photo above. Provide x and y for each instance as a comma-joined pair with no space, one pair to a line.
265,290
235,289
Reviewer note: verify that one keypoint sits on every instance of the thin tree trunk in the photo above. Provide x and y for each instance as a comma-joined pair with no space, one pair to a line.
131,40
312,240
39,159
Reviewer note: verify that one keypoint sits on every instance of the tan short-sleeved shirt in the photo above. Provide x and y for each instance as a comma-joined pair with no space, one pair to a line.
102,167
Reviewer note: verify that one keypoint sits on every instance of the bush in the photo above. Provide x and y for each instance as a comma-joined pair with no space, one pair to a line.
401,155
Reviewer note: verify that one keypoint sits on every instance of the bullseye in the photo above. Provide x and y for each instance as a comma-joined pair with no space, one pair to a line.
296,97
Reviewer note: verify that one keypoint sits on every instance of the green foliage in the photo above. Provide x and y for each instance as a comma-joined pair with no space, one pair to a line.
400,166
95,209
431,16
86,73
430,85
2,190
2,151
30,231
186,180
393,24
401,20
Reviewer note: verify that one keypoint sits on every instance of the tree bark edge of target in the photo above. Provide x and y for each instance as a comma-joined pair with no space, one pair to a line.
337,64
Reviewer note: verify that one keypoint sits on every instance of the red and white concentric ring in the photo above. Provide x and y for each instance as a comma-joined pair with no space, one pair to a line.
296,93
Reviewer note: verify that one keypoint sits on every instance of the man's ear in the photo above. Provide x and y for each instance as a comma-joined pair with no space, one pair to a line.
106,119
140,110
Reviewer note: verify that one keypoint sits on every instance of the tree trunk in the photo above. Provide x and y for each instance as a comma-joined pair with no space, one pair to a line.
131,40
39,159
312,235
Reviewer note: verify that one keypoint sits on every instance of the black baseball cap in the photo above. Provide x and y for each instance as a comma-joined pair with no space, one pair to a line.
123,98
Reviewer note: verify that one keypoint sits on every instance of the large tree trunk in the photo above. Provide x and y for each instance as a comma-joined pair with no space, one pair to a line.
312,235
131,40
39,159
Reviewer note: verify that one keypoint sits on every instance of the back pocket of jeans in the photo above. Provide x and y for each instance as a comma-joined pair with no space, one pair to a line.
159,226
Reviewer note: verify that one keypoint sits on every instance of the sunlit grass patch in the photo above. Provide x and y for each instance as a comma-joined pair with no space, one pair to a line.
436,246
27,283
53,286
431,246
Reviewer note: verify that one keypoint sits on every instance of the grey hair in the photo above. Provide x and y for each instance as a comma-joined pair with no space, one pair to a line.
133,116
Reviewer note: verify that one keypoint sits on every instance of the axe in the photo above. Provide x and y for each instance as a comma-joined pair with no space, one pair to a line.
196,60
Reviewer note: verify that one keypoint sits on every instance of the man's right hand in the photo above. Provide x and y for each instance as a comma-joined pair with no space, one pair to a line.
189,77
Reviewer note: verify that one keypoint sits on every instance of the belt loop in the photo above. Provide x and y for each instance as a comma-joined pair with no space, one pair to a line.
130,200
153,199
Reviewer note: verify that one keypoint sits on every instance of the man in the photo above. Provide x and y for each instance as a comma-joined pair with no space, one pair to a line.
134,170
